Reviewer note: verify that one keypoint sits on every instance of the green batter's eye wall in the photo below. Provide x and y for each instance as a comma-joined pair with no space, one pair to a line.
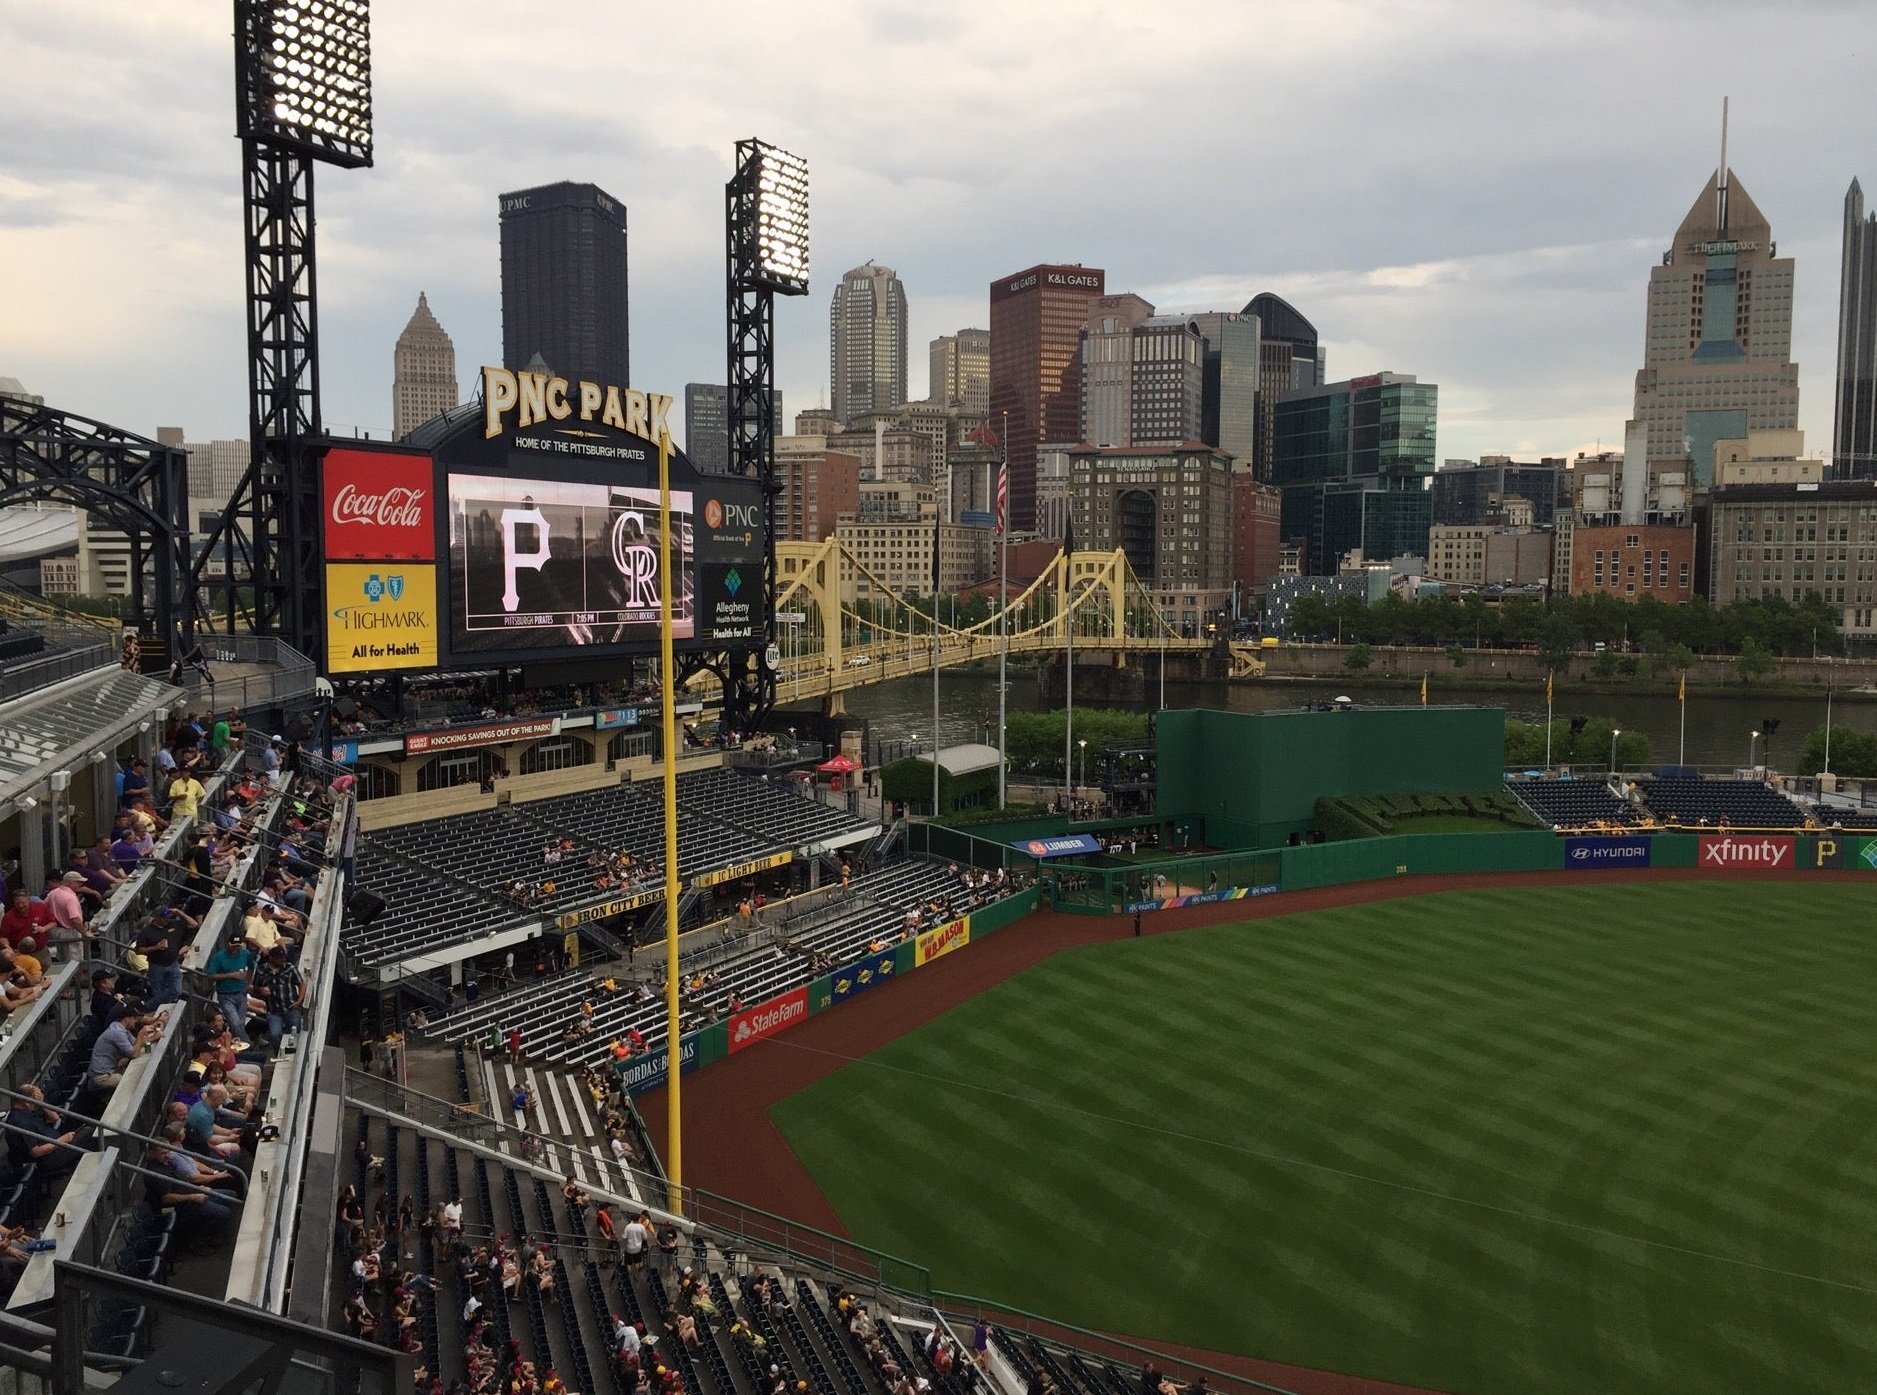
1250,780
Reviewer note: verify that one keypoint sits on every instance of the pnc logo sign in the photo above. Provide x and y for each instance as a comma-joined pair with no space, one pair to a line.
718,514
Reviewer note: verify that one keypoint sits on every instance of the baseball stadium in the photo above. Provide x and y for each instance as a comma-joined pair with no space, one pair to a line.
1260,1089
457,941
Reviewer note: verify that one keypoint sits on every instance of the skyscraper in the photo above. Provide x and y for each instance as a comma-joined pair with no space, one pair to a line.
423,371
707,425
1229,395
1854,430
1289,357
961,371
1036,323
1107,353
1353,459
1717,359
867,343
564,281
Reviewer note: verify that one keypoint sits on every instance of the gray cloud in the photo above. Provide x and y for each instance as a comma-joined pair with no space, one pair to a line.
1472,192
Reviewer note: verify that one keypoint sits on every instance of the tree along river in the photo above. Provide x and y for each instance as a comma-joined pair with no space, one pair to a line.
1718,726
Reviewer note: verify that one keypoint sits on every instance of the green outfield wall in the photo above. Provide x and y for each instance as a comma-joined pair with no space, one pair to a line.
1251,779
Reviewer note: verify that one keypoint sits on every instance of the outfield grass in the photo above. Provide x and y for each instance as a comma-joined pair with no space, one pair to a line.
1557,1139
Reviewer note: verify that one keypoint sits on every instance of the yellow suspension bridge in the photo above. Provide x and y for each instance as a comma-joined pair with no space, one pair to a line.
855,628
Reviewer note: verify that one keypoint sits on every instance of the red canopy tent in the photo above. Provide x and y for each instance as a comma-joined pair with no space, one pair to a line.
839,765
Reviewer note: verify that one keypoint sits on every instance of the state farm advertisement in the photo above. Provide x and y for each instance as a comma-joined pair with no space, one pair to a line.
1735,851
766,1019
379,507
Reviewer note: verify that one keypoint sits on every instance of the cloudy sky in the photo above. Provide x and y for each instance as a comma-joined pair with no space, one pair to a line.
1473,192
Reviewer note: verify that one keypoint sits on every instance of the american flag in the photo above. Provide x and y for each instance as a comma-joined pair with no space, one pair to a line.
1003,495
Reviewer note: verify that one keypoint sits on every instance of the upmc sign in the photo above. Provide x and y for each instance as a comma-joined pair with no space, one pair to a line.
379,507
1727,852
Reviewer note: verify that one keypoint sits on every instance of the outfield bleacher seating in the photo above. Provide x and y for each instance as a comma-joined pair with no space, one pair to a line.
1851,820
802,1331
422,910
1574,803
1736,803
872,911
449,880
751,802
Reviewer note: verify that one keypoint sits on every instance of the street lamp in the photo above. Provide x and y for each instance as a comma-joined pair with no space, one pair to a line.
1614,733
1082,756
1752,737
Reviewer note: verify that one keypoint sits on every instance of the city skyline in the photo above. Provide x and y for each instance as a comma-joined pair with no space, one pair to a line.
1513,277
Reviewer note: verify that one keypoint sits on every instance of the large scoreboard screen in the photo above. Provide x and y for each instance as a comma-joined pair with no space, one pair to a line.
547,529
546,564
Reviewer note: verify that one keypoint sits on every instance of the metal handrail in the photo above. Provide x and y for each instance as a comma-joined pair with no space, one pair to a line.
466,1123
965,1308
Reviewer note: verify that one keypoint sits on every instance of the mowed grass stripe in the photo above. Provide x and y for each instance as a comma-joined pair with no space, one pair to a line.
1531,1140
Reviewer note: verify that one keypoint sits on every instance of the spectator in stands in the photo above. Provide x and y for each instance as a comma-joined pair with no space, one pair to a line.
228,970
194,1169
98,858
126,848
224,1142
185,795
107,1004
16,993
260,927
23,971
636,1239
26,921
159,941
146,821
69,928
203,1118
281,991
133,782
285,888
37,1133
209,1216
117,1046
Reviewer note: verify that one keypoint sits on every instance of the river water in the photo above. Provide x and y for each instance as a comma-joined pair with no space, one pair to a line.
1717,730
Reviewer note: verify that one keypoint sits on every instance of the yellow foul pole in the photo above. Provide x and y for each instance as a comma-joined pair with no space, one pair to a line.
674,1112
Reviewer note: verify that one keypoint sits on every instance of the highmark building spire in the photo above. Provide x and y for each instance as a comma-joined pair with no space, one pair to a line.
1717,356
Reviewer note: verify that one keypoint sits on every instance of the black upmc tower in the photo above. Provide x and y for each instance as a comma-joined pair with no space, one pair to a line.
564,287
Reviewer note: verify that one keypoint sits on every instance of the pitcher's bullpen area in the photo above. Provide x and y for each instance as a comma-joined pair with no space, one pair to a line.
1540,1140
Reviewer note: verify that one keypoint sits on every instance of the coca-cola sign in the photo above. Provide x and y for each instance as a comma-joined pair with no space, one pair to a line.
379,507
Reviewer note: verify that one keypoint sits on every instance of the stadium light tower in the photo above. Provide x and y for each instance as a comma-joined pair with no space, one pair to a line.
766,220
302,96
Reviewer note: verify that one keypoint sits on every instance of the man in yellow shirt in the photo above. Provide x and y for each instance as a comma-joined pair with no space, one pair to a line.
185,795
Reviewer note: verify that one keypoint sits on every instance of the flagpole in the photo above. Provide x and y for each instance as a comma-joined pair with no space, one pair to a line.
1068,678
1827,769
1003,614
1547,724
938,533
1681,756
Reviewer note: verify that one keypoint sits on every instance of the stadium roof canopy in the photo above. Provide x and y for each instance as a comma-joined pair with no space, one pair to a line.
61,727
967,759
